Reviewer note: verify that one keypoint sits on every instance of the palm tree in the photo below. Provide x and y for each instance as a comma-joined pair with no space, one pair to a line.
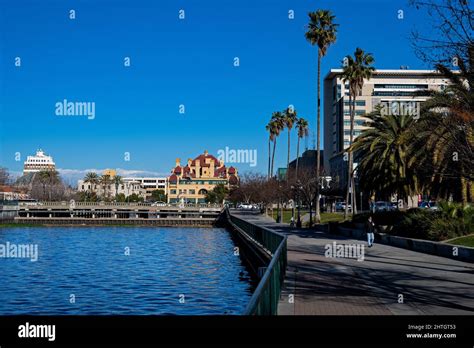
290,118
386,166
93,179
48,178
277,124
118,180
355,71
303,131
105,181
444,137
270,127
321,32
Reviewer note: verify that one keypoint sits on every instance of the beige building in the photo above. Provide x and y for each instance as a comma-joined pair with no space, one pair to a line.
396,90
190,182
127,187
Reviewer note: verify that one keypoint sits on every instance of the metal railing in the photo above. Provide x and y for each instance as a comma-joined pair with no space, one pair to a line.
266,296
119,204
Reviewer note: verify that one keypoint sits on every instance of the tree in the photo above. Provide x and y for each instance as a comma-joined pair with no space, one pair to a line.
302,132
289,118
321,32
105,181
276,125
4,176
218,194
93,179
270,127
117,180
451,29
355,71
43,178
443,136
121,197
307,189
134,198
158,195
385,166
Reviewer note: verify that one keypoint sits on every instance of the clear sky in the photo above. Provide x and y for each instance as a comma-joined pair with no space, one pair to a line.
173,62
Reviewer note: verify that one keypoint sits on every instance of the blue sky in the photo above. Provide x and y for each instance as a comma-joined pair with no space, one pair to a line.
173,62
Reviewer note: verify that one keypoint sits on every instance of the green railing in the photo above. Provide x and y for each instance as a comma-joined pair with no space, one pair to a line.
266,296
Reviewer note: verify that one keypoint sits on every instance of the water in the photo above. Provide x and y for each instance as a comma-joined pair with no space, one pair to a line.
91,264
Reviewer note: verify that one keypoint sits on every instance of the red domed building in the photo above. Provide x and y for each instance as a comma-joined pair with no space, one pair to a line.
191,182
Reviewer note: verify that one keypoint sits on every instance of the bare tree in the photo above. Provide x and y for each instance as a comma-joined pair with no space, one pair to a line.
4,176
451,31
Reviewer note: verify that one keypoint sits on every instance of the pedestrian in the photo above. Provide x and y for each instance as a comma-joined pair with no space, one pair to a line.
369,229
292,222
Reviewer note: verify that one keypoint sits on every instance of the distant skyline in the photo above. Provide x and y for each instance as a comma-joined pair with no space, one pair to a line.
173,63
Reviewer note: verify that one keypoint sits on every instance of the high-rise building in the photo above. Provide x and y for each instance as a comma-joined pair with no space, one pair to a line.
38,163
395,90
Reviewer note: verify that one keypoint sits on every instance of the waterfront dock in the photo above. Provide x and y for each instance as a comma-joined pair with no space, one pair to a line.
425,284
102,213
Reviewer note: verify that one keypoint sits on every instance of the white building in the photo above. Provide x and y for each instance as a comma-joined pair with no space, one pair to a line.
38,162
150,184
127,188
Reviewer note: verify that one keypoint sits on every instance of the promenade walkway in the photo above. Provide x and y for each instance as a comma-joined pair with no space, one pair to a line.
430,285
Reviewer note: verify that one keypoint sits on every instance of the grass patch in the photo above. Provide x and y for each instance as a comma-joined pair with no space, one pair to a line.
463,241
325,217
331,217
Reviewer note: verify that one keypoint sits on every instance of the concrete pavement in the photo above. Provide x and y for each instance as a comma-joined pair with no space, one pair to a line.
388,281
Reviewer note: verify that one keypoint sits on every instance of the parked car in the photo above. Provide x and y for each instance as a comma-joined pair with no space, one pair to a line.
383,206
428,205
341,206
158,204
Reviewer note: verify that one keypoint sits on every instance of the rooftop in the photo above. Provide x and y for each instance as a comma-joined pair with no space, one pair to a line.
390,72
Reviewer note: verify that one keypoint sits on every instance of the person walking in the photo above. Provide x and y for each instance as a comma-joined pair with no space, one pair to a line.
370,229
292,222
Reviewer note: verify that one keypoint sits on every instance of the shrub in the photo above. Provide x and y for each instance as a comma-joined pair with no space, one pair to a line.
451,220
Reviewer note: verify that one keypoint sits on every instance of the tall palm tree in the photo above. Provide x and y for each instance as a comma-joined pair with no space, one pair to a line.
105,181
290,118
118,180
93,179
302,131
385,165
270,127
355,72
277,125
321,32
